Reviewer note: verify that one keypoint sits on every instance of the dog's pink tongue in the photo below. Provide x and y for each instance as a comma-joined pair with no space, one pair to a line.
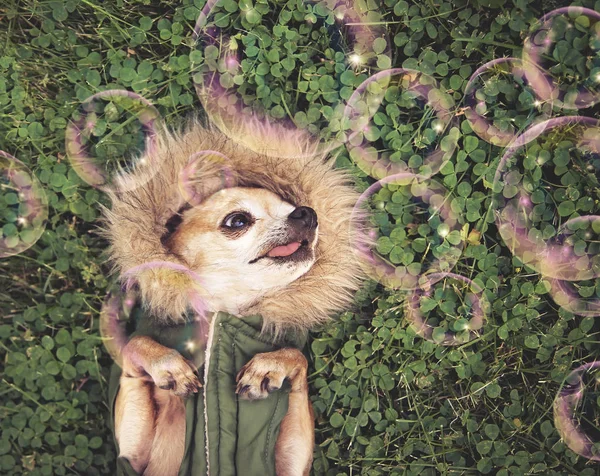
285,250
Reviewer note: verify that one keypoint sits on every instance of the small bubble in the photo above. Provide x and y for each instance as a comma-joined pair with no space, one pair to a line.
23,219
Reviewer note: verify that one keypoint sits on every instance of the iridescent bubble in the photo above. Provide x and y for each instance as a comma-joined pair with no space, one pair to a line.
526,197
462,329
567,295
578,298
500,103
158,272
565,40
577,430
390,259
236,101
122,312
191,176
23,207
91,148
418,133
114,316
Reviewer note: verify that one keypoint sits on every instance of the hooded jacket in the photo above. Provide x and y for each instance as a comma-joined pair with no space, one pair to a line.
146,201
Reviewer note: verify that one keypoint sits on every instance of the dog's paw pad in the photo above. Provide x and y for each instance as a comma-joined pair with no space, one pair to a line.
258,378
175,373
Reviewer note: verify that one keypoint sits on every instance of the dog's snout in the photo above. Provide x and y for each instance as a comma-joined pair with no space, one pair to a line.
305,217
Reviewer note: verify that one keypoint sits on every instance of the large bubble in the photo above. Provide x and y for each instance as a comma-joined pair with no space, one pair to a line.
98,138
426,238
122,311
575,411
416,134
500,102
460,330
23,207
566,44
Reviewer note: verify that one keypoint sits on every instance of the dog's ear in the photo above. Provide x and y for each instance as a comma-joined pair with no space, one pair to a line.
172,225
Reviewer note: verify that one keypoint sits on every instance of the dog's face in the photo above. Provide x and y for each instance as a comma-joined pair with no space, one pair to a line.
244,242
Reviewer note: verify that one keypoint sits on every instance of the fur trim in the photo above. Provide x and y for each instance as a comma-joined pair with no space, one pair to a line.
144,199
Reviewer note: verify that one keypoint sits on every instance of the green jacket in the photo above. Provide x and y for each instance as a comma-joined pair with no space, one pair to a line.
236,436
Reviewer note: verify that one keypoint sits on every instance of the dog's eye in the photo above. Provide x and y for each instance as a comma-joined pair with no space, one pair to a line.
236,220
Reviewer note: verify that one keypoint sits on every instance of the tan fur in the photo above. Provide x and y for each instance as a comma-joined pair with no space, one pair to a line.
142,203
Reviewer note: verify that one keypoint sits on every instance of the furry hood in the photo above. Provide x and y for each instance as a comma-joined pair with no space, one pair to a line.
146,199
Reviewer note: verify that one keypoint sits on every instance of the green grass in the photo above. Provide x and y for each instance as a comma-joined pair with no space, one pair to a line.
387,400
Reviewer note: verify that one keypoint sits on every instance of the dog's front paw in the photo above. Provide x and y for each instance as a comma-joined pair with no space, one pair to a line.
265,373
173,372
259,377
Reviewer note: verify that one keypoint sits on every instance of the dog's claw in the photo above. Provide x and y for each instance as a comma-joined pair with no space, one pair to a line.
259,377
176,374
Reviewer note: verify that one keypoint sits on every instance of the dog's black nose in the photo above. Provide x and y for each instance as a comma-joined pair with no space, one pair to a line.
305,217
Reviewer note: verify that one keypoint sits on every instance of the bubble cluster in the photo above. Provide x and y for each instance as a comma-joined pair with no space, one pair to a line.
88,132
23,207
462,330
569,144
219,79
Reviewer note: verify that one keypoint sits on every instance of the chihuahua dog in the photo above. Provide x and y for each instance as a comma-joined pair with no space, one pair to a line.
277,241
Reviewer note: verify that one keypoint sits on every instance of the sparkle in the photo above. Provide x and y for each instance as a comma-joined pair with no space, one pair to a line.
355,59
190,345
537,103
438,128
444,232
21,220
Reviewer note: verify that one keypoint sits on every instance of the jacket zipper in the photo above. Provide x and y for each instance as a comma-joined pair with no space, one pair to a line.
207,355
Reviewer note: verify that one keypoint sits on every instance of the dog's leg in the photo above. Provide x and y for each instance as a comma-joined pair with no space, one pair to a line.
135,421
168,444
264,374
149,410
